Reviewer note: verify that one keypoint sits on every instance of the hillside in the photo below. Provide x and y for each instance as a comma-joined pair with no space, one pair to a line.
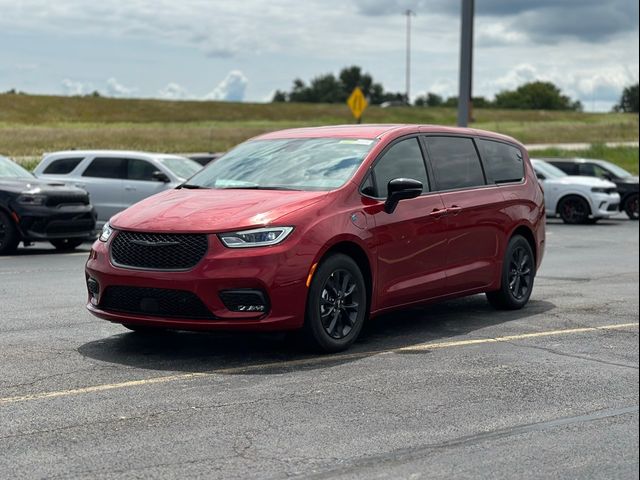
32,124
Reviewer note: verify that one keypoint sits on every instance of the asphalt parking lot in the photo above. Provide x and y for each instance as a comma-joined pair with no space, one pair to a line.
452,390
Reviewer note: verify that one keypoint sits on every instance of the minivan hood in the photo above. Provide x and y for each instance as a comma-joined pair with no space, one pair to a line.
580,180
212,210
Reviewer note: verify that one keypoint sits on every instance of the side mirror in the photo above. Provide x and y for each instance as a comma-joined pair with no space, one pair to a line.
159,176
607,176
401,189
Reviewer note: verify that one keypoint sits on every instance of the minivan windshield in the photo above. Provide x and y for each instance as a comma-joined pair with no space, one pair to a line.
548,170
285,164
12,169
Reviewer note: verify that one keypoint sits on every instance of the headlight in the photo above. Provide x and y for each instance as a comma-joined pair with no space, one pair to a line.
32,199
259,237
106,232
600,190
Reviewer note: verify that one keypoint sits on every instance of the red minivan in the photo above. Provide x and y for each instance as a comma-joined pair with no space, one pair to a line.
318,229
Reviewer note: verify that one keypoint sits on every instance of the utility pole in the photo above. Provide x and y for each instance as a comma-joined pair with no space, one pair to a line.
409,14
466,63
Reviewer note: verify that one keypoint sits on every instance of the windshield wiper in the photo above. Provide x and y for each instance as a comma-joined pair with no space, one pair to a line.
190,186
259,187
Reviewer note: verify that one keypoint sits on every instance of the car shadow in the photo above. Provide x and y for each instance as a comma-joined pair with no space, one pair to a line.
602,222
43,248
238,353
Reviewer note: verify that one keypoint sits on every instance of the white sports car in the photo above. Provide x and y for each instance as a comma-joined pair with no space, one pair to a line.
576,199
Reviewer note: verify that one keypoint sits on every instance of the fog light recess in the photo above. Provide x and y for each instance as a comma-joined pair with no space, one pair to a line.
245,300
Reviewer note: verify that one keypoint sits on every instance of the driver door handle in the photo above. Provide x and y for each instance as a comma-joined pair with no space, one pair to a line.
454,209
438,212
129,188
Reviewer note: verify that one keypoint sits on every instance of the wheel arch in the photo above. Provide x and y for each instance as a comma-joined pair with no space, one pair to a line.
526,232
355,251
573,194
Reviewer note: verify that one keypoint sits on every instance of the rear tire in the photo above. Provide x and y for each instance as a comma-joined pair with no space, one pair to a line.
65,244
9,237
631,207
518,273
336,305
574,210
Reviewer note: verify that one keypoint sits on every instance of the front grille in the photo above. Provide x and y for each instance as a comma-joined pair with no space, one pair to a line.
58,199
155,302
158,251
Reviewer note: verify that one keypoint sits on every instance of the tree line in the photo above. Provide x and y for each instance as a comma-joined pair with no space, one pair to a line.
538,95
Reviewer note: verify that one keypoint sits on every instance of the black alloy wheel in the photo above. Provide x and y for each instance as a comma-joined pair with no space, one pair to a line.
518,273
574,210
339,304
9,237
631,207
336,305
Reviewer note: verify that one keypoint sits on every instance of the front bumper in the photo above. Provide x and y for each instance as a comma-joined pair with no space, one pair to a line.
604,205
277,271
49,223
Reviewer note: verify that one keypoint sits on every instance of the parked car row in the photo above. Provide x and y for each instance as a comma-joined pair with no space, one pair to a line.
577,190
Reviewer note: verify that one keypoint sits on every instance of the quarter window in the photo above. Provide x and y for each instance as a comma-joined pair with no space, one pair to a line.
455,162
107,168
402,160
62,166
502,162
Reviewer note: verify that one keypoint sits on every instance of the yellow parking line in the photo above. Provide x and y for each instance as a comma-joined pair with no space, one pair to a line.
307,361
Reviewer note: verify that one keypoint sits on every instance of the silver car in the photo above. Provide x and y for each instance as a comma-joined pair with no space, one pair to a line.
116,179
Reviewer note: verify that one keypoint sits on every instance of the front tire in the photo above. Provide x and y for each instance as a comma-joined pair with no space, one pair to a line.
518,272
9,237
631,207
574,210
66,244
336,305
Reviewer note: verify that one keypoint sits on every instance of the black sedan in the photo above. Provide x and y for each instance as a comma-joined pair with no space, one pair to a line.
32,209
626,182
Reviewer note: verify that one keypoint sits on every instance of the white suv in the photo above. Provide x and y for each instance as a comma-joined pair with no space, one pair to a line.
576,199
116,179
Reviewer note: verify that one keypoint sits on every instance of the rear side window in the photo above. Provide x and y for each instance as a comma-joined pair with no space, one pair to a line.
62,166
107,168
402,160
502,162
455,162
140,170
569,168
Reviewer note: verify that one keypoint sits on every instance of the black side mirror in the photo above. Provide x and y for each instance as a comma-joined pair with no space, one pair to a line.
159,176
401,189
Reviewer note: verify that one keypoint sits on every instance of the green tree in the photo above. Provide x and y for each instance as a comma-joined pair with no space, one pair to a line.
330,89
536,96
629,100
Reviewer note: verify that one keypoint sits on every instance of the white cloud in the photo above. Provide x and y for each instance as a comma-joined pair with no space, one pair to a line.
230,89
116,89
173,91
71,87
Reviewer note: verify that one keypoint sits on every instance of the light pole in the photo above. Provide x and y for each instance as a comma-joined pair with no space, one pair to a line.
409,14
466,63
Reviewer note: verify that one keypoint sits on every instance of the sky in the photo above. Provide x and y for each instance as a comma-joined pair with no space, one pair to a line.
244,50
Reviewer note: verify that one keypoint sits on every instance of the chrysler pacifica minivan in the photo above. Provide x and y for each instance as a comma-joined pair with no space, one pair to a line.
318,229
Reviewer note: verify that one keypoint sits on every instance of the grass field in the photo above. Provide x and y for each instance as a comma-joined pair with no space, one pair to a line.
31,125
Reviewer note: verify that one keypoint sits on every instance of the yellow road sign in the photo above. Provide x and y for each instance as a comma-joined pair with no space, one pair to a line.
357,103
